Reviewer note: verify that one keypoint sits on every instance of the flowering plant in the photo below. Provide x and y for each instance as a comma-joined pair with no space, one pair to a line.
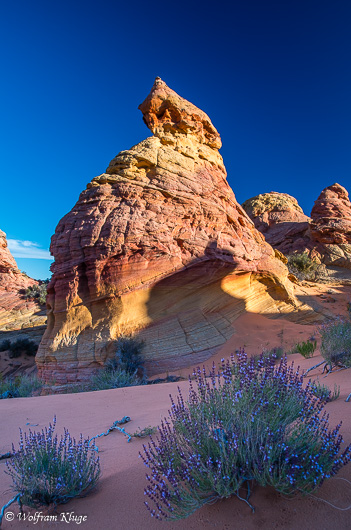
47,471
250,423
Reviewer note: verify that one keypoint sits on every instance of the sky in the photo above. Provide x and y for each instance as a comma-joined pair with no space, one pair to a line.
274,77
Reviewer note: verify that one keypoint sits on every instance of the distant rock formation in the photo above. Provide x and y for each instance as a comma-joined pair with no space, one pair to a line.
280,218
326,236
15,311
8,266
158,243
331,226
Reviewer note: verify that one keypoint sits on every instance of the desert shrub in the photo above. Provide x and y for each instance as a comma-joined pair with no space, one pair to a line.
21,346
253,423
8,388
303,267
306,349
5,345
48,471
336,342
112,378
146,431
128,357
37,292
276,352
324,393
126,368
20,386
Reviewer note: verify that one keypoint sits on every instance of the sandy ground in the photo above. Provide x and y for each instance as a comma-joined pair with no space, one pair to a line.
117,502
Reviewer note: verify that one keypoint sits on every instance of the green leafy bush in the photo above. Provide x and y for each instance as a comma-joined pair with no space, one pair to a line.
252,423
112,378
306,349
20,386
23,346
37,292
47,471
303,267
336,342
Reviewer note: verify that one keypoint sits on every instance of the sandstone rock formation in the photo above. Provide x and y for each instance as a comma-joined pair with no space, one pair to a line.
326,236
7,262
280,218
331,226
158,244
15,311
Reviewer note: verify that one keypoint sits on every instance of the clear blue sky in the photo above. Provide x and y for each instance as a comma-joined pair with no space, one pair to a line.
274,77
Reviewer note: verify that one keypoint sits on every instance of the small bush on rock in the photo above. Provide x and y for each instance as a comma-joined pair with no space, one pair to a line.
37,292
48,471
252,423
305,268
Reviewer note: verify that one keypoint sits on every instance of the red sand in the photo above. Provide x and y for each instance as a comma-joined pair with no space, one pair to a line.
118,500
117,503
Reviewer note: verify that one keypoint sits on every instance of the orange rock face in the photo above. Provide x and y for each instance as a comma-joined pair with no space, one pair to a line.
7,262
326,236
331,216
331,225
280,218
15,311
157,244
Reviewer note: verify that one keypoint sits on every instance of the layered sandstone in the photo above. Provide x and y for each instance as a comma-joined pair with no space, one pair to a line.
157,244
7,262
326,236
280,218
331,225
15,311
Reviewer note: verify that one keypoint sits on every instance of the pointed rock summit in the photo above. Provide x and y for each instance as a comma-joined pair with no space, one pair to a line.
168,115
157,245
